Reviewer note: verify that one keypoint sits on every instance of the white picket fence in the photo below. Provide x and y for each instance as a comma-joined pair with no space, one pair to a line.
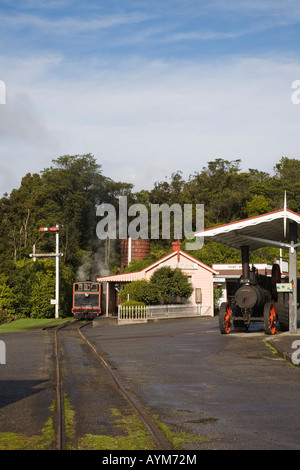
132,313
141,314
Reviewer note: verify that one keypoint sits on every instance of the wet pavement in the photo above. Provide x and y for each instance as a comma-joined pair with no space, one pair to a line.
231,391
26,382
223,391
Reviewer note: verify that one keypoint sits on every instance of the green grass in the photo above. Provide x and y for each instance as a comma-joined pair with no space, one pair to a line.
44,441
178,439
133,436
31,324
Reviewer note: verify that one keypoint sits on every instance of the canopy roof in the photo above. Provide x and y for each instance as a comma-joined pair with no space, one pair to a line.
271,229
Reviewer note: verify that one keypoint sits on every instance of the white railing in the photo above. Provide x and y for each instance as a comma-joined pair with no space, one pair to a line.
137,314
173,310
132,313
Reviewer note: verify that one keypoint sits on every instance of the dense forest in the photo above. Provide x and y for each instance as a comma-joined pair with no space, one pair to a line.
67,194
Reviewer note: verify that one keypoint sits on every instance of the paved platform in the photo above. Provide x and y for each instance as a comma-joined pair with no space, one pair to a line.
287,345
26,382
284,342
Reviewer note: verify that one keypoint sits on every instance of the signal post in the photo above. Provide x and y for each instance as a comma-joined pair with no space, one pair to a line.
57,254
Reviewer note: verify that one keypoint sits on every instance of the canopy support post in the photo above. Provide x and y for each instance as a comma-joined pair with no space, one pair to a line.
293,229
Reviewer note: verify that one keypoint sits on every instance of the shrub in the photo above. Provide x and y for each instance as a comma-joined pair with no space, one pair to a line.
140,291
7,297
171,283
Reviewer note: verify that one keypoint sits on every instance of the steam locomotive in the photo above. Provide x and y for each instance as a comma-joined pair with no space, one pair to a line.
255,299
86,300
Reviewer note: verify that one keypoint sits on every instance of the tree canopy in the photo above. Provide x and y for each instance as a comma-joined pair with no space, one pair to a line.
173,285
66,194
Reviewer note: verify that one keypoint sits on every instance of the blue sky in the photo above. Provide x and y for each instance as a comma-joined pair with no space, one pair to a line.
147,87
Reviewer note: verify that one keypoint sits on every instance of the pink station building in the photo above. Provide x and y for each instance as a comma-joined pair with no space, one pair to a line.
200,275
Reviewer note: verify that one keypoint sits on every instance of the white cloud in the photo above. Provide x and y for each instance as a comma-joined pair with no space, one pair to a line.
68,25
144,120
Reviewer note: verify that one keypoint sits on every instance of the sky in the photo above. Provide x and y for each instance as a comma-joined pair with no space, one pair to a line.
148,87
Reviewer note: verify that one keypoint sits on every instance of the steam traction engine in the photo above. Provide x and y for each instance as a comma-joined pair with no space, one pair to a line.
255,299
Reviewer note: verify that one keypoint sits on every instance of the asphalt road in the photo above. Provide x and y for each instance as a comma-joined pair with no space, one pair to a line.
26,382
229,389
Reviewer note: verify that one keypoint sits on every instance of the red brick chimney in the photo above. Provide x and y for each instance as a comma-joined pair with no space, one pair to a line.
176,247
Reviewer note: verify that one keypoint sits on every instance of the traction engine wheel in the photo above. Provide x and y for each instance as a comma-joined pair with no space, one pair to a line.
225,318
283,310
270,318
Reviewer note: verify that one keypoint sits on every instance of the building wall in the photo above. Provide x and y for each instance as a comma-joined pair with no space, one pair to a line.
199,276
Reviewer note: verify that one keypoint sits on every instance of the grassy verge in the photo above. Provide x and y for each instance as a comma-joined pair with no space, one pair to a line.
44,441
133,435
178,439
32,324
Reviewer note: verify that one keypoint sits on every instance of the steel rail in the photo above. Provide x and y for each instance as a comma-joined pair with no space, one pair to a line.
60,409
161,442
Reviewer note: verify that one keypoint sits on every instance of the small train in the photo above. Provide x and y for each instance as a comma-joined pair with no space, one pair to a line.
86,300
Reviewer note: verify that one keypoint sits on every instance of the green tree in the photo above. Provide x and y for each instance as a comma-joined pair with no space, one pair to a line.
23,279
223,190
287,177
172,284
259,204
42,292
214,253
7,296
20,214
140,291
75,185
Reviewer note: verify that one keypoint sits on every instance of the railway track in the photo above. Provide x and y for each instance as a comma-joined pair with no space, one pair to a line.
118,389
60,411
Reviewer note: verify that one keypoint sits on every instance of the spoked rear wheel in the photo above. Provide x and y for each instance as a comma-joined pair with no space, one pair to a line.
225,318
284,310
270,318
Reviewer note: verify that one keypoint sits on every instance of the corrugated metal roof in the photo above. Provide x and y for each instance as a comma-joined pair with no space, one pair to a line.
269,229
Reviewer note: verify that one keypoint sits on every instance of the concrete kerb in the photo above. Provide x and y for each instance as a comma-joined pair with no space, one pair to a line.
283,344
104,321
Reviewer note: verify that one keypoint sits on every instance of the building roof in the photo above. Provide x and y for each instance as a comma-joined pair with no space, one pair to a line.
235,270
271,229
134,276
